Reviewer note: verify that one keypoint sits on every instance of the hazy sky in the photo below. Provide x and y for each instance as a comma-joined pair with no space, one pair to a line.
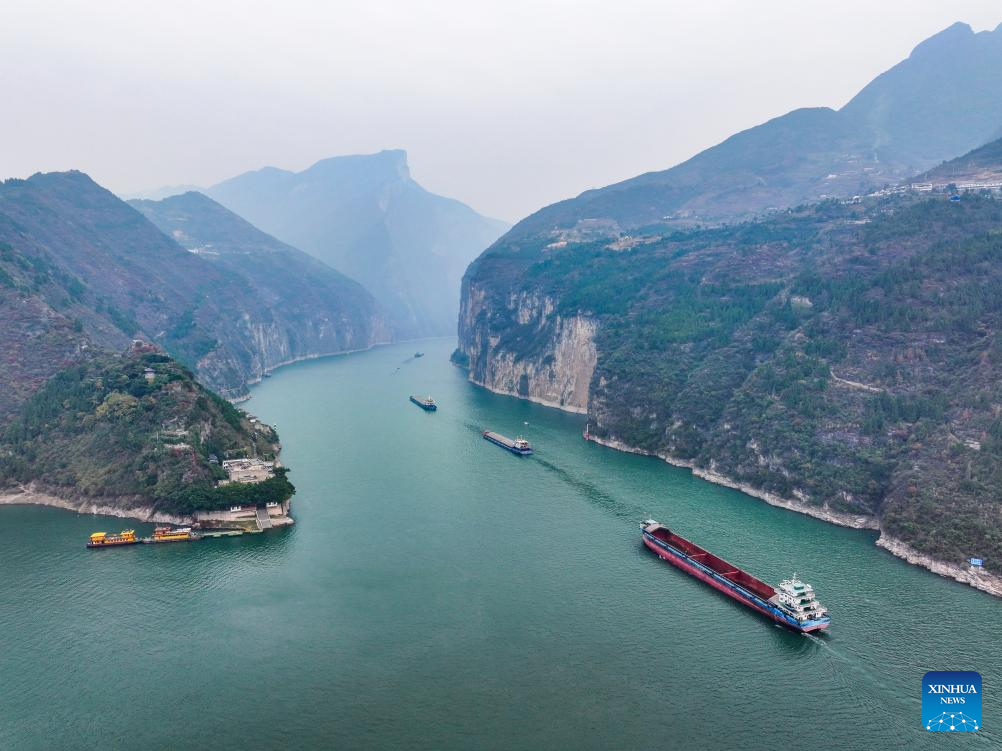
505,105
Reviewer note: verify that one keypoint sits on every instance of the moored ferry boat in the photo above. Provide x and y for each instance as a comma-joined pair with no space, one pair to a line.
792,604
104,540
425,402
176,534
518,446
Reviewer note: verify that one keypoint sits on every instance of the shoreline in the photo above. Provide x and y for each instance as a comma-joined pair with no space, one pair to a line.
841,518
29,496
302,358
983,581
305,358
533,399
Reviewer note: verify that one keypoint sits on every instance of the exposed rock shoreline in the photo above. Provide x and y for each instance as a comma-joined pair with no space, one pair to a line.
855,521
982,580
979,579
534,399
30,495
303,358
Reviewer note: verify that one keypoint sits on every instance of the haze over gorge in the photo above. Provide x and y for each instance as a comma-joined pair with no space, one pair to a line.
366,217
311,456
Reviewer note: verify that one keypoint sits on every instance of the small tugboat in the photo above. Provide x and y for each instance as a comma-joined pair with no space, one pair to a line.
425,402
793,604
519,446
176,534
104,540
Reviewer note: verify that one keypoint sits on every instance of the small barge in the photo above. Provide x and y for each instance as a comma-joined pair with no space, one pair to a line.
518,446
792,604
104,540
425,402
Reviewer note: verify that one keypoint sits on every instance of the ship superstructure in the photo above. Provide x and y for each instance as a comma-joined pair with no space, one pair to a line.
798,599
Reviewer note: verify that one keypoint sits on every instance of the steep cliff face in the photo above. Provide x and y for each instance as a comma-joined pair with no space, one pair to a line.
303,308
524,348
841,358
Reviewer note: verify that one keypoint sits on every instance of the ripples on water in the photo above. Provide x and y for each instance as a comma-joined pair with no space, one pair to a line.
441,593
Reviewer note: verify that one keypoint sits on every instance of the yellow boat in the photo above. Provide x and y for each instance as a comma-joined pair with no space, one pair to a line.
104,540
177,534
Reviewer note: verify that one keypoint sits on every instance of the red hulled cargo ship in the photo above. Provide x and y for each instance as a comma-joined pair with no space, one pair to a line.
792,604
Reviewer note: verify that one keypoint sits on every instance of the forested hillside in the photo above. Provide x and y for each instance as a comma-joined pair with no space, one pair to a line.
79,267
845,355
134,430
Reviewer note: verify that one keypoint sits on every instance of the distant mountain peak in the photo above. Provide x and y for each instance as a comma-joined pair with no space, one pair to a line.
364,215
389,164
957,32
943,100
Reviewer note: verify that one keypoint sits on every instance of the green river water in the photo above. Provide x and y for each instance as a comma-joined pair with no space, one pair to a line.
438,592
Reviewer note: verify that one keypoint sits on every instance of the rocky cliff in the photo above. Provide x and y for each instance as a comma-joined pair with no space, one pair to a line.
841,359
551,362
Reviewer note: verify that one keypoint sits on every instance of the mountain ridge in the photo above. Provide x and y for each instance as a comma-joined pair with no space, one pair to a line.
85,262
365,216
948,90
838,354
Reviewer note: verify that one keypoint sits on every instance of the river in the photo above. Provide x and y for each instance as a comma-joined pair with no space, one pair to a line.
438,592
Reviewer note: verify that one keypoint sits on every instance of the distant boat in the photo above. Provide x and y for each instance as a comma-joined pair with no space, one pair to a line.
519,446
419,354
425,402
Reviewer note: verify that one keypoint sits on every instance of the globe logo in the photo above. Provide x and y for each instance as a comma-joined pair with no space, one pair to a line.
951,700
953,721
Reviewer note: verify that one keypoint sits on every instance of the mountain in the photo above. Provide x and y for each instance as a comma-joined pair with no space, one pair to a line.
158,194
943,100
135,432
982,166
81,270
839,358
306,307
843,359
366,217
